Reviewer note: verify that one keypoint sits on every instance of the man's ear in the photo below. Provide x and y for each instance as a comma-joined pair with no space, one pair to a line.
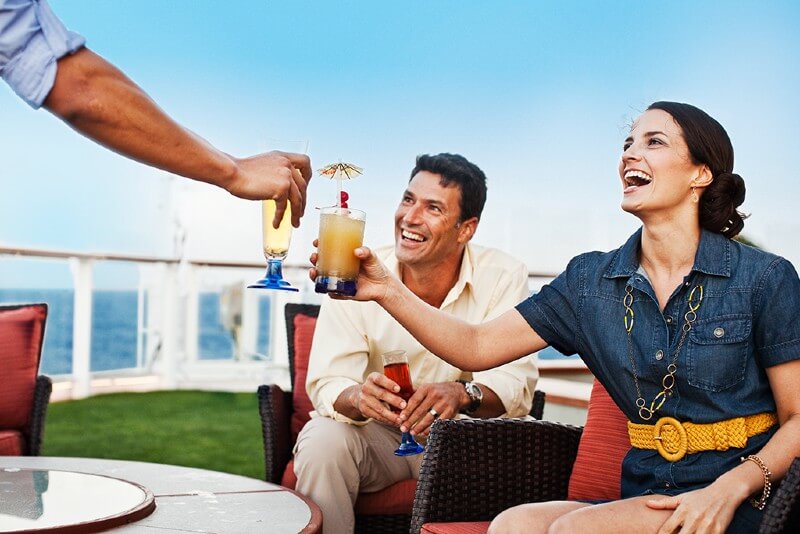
467,229
704,179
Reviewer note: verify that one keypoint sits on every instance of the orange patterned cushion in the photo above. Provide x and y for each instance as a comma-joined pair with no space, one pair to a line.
303,335
604,443
478,527
11,443
21,333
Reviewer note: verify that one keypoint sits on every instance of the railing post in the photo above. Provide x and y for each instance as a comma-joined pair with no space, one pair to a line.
248,335
192,317
81,326
170,325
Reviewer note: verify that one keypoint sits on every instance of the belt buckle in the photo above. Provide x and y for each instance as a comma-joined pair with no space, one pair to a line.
683,440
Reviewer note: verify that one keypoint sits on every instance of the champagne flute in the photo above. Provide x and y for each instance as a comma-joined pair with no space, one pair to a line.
275,241
395,367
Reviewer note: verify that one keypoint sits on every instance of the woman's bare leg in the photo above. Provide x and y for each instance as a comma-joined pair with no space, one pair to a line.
532,518
629,515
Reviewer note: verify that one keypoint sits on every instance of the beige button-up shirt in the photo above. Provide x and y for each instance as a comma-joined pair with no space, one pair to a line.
351,336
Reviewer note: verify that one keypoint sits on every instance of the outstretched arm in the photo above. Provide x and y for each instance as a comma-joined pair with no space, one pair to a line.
466,346
100,102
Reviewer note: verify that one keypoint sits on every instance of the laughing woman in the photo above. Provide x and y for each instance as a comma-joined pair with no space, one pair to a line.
681,325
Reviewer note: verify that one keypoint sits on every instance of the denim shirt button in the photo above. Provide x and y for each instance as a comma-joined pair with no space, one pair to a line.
666,484
659,354
669,319
719,332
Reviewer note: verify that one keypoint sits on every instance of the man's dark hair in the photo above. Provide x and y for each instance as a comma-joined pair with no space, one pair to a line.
456,169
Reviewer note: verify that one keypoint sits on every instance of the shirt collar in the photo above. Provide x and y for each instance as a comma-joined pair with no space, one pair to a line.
465,274
713,256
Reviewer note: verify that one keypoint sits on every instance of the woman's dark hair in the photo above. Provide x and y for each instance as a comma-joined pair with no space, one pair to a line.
458,170
709,144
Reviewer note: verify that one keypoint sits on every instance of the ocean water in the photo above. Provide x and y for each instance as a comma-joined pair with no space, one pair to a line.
114,316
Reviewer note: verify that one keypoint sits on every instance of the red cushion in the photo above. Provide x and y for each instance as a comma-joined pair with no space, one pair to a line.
21,331
478,527
11,443
303,335
393,500
397,499
604,443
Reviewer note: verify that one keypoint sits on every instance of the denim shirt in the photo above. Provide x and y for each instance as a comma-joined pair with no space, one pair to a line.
749,319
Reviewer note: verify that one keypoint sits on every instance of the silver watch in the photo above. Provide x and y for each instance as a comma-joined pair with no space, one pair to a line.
475,395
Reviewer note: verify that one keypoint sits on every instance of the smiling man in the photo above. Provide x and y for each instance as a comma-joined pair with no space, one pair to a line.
348,445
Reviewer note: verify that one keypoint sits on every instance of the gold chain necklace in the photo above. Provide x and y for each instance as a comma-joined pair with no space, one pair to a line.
668,382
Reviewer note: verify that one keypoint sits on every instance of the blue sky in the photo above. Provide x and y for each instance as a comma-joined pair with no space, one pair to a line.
539,94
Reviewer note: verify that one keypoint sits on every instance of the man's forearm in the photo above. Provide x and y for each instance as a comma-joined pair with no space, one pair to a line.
99,101
347,403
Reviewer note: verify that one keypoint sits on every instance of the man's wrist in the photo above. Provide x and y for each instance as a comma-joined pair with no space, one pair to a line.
474,395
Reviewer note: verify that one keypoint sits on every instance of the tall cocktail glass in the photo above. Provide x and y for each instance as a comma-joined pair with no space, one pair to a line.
341,231
275,241
276,246
395,367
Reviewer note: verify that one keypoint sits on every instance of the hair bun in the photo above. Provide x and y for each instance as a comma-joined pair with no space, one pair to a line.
718,205
730,187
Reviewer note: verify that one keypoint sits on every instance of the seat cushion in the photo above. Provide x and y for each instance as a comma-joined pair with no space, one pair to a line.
604,443
478,527
397,499
21,333
303,335
12,443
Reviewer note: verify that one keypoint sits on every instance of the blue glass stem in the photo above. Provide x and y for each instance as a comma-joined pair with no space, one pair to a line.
274,277
408,446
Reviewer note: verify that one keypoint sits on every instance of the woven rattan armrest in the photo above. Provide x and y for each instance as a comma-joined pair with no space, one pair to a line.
41,399
475,468
275,408
782,513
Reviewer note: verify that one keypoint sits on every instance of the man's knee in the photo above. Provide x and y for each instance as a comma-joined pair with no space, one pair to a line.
325,441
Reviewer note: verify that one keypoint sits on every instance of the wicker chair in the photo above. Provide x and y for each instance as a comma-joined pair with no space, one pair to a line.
24,396
276,407
475,469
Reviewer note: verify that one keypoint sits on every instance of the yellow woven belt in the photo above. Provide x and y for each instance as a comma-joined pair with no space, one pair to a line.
673,439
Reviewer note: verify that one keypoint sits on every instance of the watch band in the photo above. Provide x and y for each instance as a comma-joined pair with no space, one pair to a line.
475,396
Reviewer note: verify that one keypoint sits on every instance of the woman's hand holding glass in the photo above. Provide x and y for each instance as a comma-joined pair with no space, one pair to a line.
373,277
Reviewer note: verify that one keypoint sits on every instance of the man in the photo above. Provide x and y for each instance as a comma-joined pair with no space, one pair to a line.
348,445
49,66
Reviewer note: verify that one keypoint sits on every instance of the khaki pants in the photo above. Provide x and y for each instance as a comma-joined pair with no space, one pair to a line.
336,461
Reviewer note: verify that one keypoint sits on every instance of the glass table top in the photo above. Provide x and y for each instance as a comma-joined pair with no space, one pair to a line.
50,500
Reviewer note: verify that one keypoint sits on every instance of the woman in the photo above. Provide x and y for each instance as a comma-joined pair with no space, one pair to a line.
681,325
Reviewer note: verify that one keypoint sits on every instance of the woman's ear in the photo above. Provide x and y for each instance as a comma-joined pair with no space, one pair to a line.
704,178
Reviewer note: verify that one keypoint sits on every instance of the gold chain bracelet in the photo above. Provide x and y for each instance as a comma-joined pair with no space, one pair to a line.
762,502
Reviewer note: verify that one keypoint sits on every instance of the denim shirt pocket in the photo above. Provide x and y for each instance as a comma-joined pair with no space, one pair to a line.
717,351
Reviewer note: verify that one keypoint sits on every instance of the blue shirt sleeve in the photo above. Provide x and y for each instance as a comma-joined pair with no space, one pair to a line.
777,315
32,40
553,312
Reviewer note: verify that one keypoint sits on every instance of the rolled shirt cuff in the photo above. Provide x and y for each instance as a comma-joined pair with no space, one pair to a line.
32,72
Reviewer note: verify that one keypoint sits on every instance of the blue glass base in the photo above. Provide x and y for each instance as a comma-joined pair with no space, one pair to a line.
408,447
335,286
274,278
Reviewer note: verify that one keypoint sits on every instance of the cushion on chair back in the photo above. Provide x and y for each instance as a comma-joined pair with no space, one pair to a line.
303,335
12,443
597,471
21,334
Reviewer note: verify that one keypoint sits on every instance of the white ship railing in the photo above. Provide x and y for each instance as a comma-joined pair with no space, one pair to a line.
168,325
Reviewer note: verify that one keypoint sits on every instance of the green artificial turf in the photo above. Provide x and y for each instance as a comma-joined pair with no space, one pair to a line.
212,430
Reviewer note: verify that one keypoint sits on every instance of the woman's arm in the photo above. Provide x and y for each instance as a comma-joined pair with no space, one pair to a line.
466,346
